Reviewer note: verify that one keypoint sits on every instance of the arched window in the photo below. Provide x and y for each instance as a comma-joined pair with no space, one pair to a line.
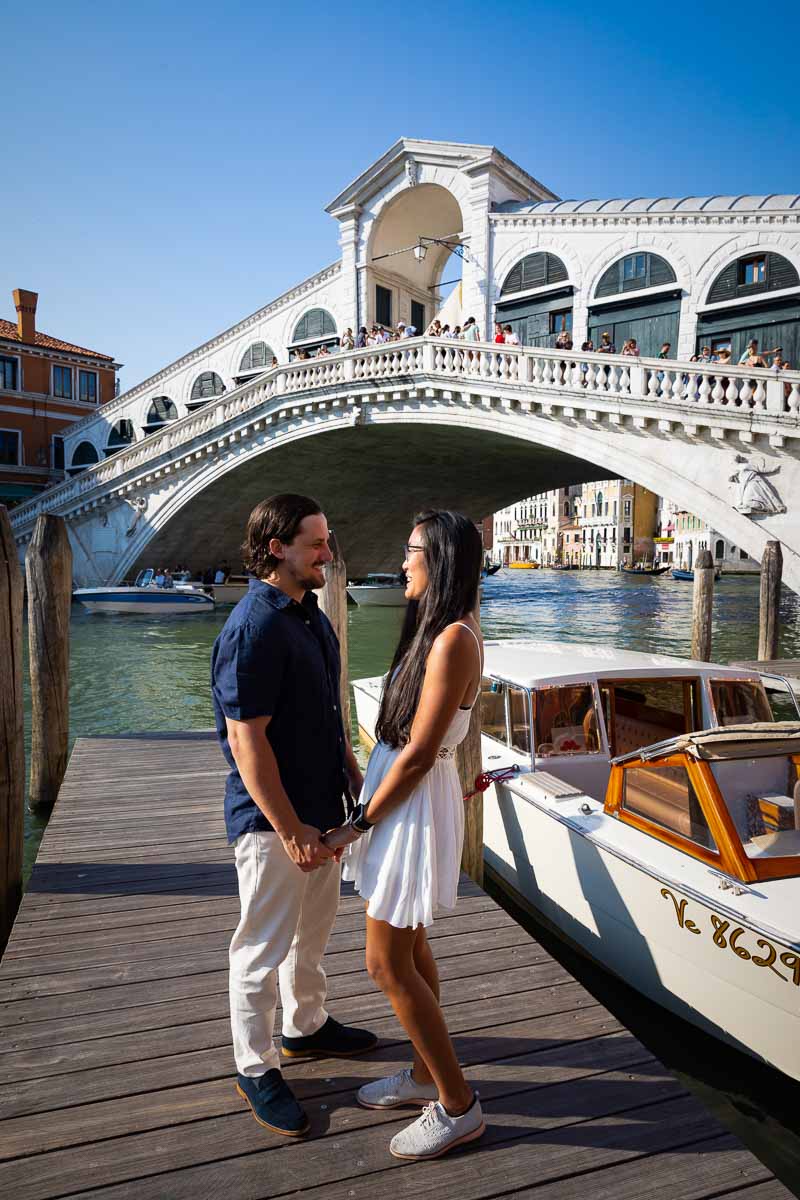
258,356
599,502
85,456
761,271
536,270
317,323
121,435
161,412
719,549
205,388
633,272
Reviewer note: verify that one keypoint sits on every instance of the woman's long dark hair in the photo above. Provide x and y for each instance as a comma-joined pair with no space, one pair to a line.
453,556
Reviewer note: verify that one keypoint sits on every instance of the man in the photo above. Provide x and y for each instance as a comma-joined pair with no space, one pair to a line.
275,683
665,349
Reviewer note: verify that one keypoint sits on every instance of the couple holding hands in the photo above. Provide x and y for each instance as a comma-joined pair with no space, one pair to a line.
275,684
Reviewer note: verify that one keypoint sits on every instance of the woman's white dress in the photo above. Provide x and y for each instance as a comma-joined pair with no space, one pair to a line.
407,866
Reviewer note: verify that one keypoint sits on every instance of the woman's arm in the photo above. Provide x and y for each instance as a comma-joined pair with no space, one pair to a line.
448,672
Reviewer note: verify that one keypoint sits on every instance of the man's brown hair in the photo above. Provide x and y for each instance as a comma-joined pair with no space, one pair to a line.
276,517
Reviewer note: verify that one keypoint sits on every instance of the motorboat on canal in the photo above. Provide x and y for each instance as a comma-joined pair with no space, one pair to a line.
644,570
388,591
145,596
654,822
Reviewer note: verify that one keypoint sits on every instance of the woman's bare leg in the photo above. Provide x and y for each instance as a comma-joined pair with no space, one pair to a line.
426,966
391,963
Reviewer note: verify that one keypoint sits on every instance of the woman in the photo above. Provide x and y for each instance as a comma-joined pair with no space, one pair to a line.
407,832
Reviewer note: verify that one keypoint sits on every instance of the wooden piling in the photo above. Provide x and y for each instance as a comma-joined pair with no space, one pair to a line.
333,602
49,574
12,742
702,606
769,601
469,763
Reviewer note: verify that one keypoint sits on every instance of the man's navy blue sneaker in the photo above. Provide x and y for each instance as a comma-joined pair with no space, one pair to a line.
272,1103
339,1041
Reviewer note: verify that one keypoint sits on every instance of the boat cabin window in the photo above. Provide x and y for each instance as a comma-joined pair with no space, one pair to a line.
740,701
565,721
665,796
519,720
639,712
493,709
773,813
144,578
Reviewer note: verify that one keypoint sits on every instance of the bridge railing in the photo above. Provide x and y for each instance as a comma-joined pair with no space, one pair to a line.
530,369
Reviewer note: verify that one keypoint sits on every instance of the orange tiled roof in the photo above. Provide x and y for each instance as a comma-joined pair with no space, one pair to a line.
8,329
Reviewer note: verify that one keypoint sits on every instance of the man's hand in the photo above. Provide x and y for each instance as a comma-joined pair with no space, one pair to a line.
305,849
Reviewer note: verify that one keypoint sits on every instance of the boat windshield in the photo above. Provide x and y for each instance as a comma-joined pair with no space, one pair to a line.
144,578
762,796
740,701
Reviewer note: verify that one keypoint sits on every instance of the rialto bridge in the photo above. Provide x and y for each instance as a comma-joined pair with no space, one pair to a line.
169,470
377,433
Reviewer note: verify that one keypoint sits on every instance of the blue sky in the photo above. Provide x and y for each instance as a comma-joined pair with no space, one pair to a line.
167,164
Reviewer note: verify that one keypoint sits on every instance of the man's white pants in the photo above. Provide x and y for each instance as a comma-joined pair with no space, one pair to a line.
287,917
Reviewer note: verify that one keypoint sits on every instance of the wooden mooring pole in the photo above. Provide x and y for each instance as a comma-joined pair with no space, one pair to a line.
49,573
702,606
12,740
769,601
333,602
469,763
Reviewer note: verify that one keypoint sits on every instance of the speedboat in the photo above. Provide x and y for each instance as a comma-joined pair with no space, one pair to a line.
145,596
654,822
519,565
389,591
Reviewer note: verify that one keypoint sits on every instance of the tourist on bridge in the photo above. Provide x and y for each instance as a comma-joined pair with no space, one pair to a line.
606,345
405,836
275,673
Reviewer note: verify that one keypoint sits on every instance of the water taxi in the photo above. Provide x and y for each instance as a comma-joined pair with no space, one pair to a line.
389,591
145,596
654,822
519,565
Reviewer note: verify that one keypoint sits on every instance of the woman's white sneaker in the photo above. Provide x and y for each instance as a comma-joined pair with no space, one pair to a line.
436,1132
395,1091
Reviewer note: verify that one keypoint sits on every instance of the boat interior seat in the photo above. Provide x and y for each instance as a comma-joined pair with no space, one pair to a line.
662,800
631,733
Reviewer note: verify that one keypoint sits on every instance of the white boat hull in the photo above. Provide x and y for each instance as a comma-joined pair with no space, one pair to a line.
641,925
387,597
144,601
638,918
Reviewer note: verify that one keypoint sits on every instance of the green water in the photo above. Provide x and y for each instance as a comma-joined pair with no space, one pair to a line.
137,673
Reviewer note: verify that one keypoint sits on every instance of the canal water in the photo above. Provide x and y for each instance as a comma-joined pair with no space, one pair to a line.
138,673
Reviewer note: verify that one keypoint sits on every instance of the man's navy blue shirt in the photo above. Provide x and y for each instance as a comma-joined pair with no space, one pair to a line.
280,659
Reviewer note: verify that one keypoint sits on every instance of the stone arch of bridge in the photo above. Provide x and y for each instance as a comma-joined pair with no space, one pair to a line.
371,479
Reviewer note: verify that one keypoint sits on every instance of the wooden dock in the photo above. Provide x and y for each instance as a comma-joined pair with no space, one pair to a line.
115,1060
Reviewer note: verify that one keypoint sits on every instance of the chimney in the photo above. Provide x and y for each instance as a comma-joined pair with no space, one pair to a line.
25,304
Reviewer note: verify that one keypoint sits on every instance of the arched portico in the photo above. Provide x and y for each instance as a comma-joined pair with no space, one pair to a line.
402,286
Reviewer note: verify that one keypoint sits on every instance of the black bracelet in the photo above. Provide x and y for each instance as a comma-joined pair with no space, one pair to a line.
359,820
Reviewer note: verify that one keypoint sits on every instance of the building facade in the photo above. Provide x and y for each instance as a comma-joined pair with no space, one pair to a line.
46,385
714,270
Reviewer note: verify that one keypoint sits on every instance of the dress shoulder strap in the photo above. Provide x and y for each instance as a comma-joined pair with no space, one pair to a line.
464,625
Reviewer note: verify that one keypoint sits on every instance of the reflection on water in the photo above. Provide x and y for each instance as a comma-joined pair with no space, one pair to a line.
139,673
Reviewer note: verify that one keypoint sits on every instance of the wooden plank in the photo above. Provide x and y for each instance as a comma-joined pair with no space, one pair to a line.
117,1072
